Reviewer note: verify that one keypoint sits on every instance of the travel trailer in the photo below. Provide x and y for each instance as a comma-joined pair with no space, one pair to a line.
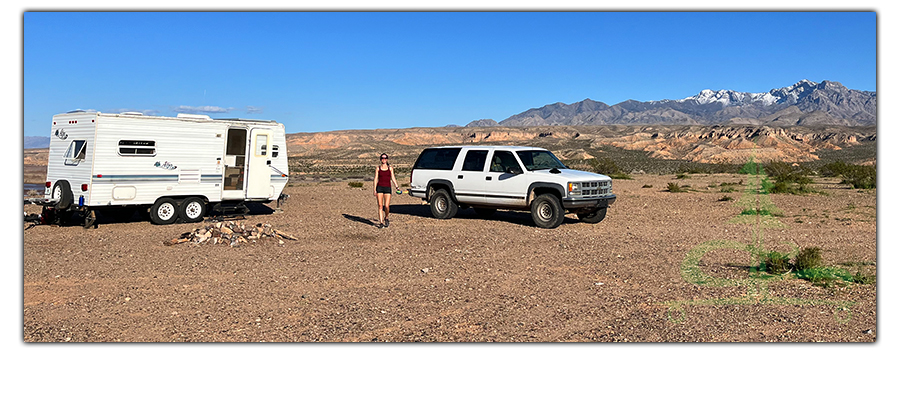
175,167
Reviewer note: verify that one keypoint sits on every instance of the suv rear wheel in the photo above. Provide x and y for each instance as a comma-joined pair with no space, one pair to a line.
547,212
593,217
442,205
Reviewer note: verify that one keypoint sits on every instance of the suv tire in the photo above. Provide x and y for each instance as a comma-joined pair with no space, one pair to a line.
547,212
442,205
593,217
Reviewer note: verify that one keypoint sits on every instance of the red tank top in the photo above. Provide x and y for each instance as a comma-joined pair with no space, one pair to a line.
384,177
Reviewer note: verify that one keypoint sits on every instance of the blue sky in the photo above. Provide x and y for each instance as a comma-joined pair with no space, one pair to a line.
332,71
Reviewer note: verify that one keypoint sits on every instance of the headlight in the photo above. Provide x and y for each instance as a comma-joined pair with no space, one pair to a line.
574,188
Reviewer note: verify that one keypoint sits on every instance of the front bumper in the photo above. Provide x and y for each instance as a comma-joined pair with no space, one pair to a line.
580,203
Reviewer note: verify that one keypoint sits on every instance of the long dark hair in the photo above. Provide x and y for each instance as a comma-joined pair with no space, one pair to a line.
387,162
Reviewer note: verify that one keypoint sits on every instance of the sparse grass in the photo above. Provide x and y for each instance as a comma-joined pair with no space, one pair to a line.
621,175
763,212
355,184
673,187
726,198
646,186
808,265
682,176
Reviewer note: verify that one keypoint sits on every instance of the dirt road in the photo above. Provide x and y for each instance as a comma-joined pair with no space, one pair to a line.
464,279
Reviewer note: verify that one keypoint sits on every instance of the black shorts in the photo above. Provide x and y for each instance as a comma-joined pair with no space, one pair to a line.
383,189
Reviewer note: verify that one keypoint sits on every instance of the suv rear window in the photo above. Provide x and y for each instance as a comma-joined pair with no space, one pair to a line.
437,159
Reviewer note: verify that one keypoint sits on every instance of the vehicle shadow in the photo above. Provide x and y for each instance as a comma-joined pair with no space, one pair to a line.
508,216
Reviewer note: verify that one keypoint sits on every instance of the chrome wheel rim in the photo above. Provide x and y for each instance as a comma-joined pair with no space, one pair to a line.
545,212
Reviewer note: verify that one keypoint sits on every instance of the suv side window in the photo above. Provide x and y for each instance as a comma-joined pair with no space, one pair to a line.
475,160
503,161
437,159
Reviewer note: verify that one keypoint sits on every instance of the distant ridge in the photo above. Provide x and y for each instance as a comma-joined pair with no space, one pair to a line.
805,103
36,142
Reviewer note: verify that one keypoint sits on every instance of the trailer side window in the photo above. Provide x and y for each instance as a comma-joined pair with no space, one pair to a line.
274,151
76,150
137,148
261,144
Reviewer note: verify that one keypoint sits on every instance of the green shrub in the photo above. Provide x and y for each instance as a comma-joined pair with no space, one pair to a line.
646,186
808,258
674,188
355,184
726,198
621,175
605,166
860,177
833,169
751,168
776,263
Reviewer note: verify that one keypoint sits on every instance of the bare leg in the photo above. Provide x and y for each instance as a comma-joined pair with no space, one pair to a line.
387,205
380,208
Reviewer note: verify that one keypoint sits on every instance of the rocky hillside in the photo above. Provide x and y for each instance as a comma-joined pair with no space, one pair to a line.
805,103
707,144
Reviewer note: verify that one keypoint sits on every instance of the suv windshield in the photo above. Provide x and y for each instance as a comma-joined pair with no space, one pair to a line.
539,160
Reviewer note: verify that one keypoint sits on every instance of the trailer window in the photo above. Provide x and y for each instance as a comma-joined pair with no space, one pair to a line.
137,148
261,144
274,151
76,150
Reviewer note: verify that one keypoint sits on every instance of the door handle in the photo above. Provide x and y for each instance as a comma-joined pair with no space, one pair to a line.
459,177
487,178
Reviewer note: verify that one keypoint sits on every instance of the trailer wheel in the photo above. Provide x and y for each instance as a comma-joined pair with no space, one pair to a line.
192,209
62,192
164,212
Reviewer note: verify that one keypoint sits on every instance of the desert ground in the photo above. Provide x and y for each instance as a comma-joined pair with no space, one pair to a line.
466,279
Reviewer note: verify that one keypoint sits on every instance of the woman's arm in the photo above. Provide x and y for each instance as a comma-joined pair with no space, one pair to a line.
394,179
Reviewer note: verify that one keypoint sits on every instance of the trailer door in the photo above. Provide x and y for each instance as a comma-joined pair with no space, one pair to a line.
259,175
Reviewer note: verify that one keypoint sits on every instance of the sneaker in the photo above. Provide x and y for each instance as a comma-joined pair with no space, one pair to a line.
380,226
387,222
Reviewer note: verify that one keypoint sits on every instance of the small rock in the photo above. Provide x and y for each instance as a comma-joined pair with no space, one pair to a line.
426,270
868,331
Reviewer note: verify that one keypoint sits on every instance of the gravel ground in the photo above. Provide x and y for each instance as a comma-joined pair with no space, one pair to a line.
465,279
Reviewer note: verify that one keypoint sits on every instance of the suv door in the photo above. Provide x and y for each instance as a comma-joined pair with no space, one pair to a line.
469,180
505,183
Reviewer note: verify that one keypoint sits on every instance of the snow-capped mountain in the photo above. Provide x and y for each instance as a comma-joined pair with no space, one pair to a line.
804,103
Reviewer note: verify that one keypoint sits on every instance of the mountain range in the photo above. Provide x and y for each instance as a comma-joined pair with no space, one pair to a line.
805,103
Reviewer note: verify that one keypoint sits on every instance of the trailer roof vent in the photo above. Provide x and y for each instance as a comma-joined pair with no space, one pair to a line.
132,113
194,116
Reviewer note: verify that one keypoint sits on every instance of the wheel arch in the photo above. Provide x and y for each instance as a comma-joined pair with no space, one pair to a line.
436,184
539,188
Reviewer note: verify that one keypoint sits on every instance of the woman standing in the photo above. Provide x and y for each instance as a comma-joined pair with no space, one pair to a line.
384,181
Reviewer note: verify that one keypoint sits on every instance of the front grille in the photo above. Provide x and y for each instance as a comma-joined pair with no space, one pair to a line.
596,188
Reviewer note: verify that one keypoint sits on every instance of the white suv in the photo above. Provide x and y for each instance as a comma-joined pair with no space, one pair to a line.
514,177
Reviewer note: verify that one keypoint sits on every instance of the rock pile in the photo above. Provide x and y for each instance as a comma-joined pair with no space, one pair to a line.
230,233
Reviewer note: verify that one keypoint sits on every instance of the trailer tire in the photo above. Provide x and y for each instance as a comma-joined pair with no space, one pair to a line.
62,191
192,209
164,212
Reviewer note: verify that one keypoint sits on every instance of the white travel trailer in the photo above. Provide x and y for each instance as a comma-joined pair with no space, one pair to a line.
177,167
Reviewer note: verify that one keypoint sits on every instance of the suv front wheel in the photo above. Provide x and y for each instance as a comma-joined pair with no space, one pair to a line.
547,212
442,205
